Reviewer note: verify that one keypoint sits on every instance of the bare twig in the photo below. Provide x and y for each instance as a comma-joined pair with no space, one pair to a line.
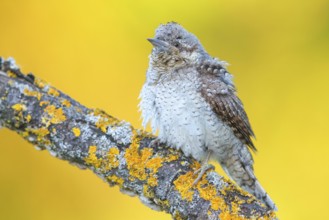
161,177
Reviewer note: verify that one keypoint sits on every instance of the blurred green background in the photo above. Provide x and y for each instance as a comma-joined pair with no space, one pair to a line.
96,51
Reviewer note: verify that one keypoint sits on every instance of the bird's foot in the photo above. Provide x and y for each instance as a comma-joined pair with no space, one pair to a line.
154,143
202,170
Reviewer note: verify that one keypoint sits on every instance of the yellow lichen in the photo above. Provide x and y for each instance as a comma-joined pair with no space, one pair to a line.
11,82
231,211
208,192
19,107
135,162
227,215
104,120
25,134
172,157
53,92
92,159
78,109
102,124
152,180
153,166
41,133
66,103
235,208
116,179
76,131
42,103
224,215
131,178
232,187
56,114
11,74
45,121
271,215
112,160
178,216
32,93
195,165
148,192
28,118
40,83
140,164
183,185
163,203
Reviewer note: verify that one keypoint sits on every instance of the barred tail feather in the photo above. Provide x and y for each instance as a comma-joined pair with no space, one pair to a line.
258,191
239,168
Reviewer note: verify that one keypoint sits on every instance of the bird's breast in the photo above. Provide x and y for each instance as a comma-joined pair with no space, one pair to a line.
185,120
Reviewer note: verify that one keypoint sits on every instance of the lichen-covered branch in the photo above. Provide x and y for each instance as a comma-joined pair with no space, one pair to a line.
121,155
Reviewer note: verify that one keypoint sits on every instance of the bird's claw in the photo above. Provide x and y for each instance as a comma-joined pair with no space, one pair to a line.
202,170
155,142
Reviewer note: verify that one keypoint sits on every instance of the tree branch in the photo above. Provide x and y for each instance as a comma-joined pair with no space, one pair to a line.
161,177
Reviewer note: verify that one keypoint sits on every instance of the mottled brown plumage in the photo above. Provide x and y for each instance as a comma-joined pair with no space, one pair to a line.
223,100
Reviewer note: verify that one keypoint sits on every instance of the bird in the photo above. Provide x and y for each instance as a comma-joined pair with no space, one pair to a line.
190,99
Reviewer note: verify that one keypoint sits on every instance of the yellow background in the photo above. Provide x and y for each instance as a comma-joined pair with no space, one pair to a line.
96,51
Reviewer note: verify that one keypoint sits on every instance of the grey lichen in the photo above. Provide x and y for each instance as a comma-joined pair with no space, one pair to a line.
119,154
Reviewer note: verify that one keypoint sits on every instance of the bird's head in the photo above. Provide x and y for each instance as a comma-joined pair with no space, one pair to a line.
174,47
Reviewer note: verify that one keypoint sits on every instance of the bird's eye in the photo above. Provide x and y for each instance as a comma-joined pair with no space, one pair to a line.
179,37
176,44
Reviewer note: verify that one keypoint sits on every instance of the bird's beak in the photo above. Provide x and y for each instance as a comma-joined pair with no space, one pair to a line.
159,43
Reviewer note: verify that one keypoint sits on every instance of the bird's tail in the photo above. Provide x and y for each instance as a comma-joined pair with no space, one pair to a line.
240,168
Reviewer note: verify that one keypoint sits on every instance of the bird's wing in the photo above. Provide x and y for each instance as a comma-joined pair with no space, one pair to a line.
219,91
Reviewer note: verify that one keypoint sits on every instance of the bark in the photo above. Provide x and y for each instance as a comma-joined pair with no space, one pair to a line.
161,177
